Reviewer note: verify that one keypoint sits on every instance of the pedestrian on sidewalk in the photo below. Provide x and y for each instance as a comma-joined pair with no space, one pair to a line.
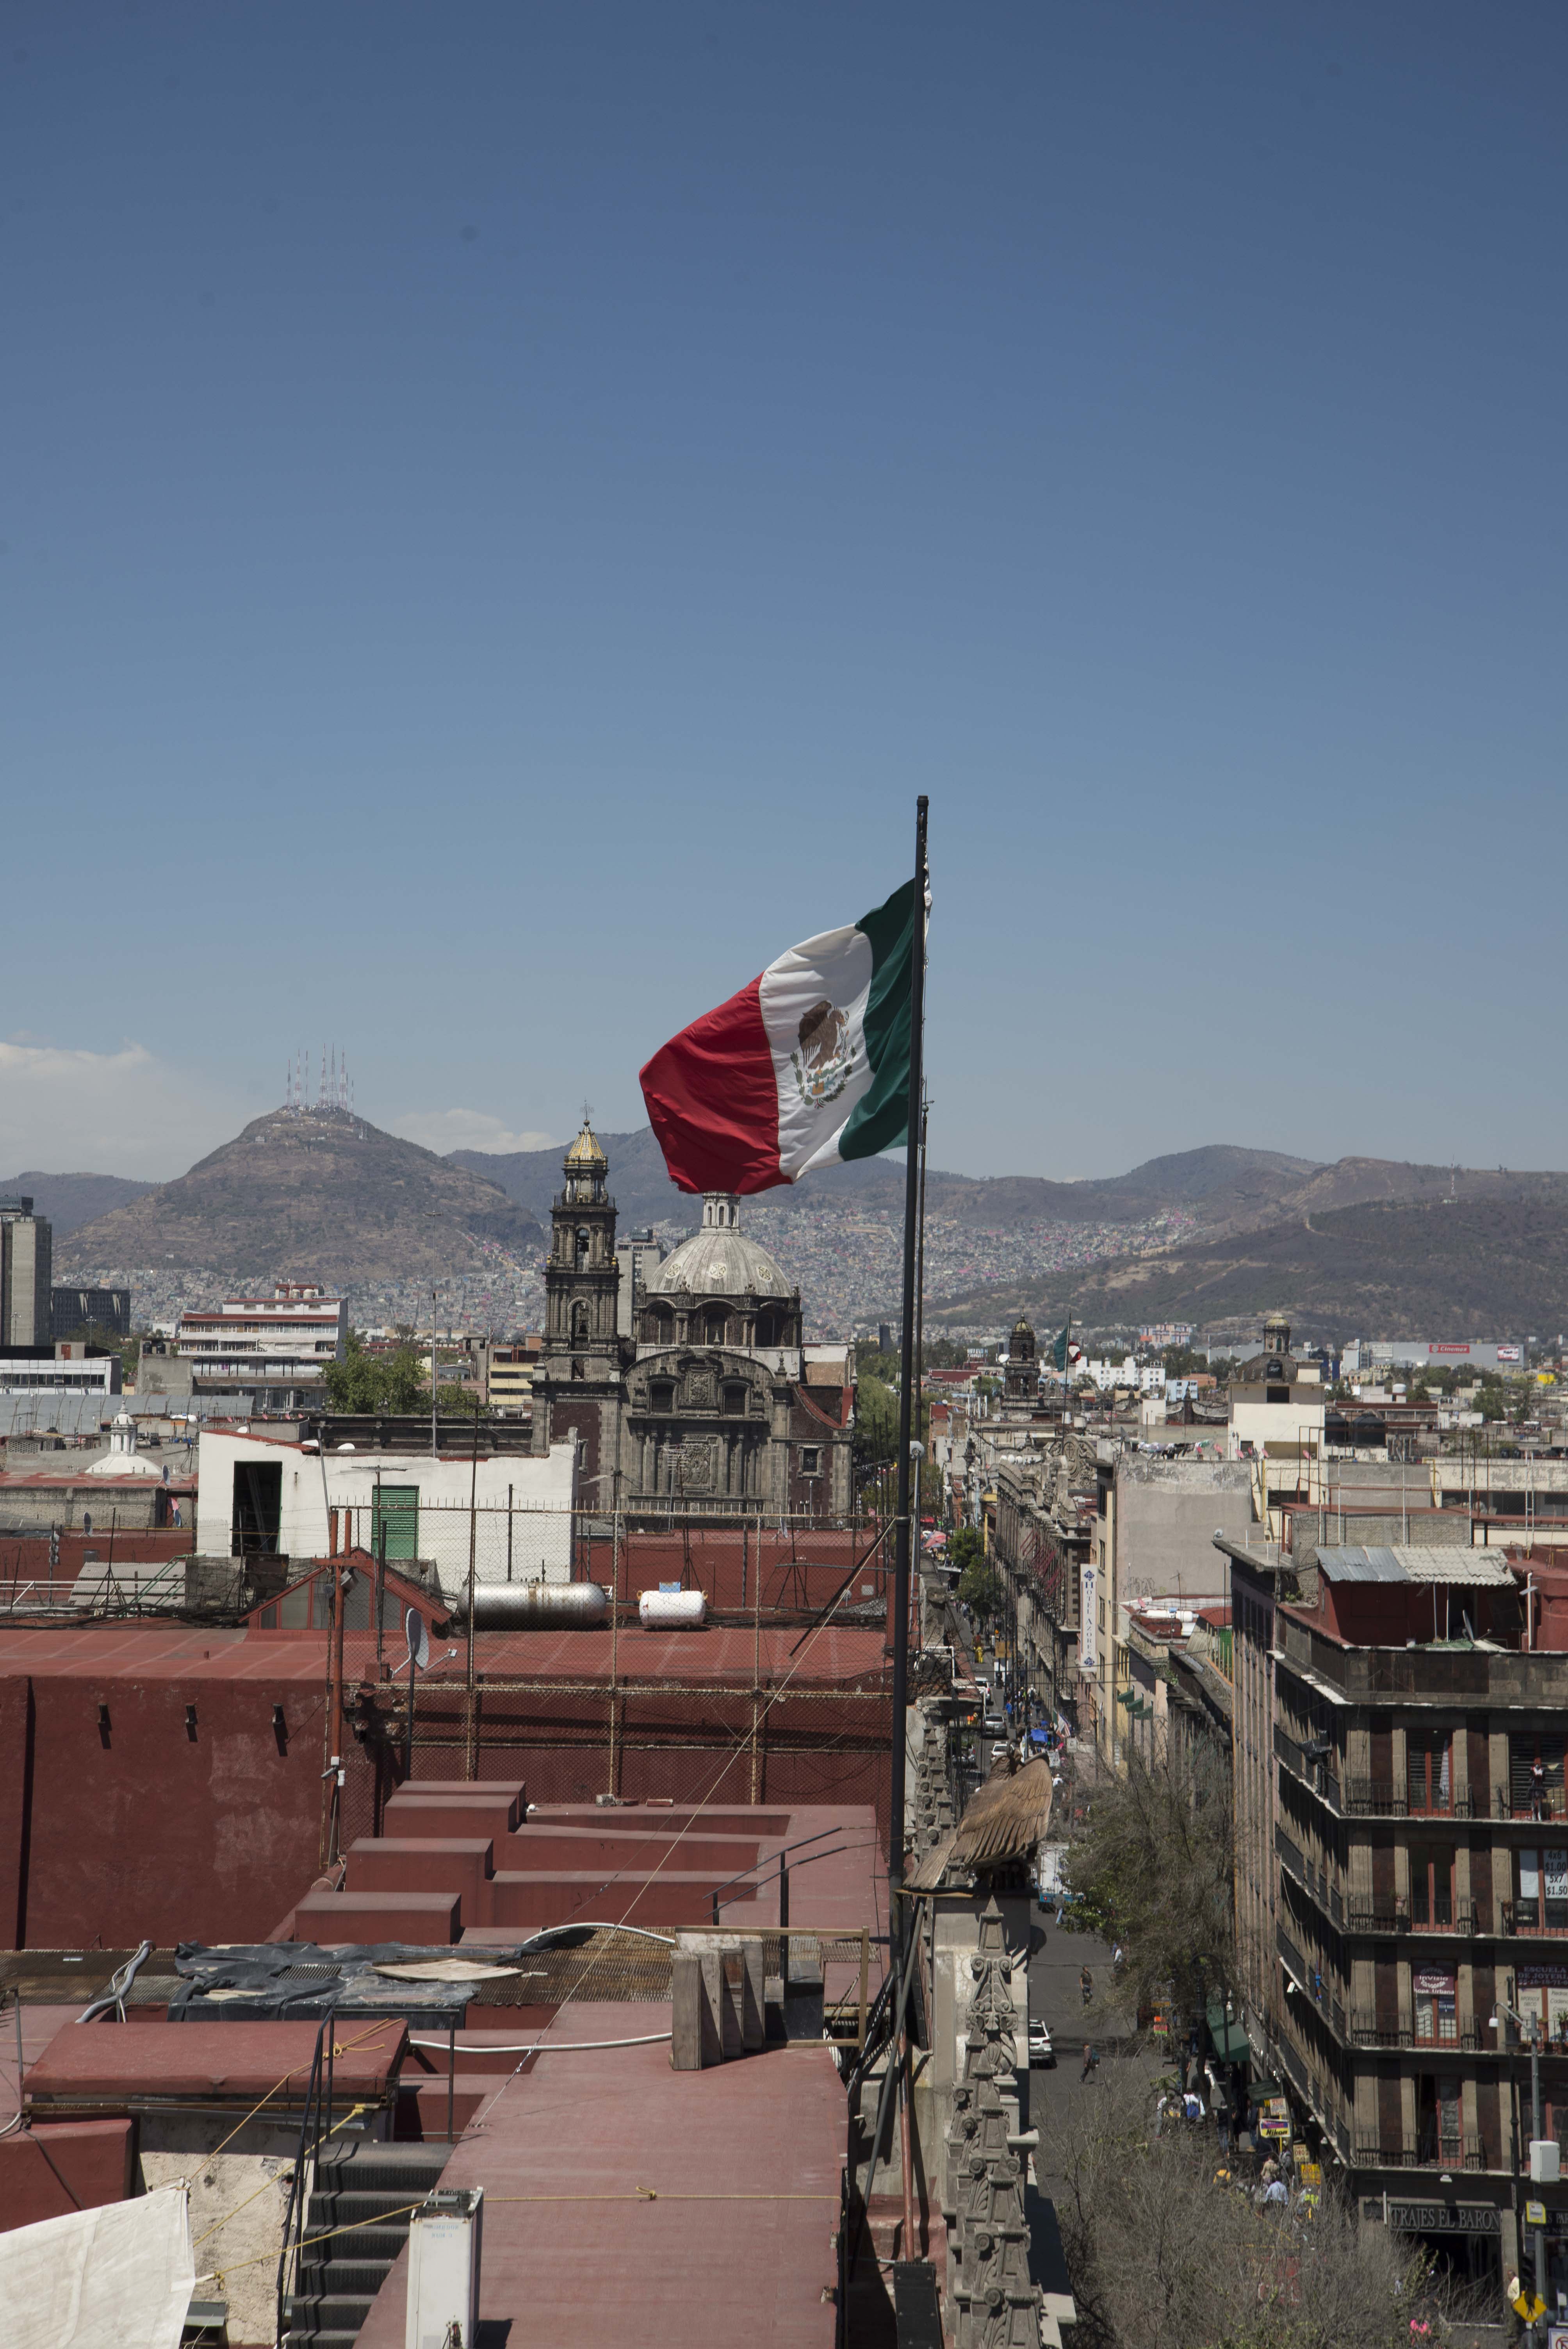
1089,2060
1086,1983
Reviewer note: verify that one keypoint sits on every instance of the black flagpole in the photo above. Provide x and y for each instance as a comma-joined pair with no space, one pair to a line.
906,1399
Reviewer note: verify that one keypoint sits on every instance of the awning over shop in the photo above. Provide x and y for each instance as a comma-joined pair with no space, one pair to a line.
1230,2040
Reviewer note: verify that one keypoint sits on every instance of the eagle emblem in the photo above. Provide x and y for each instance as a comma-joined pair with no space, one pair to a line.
824,1059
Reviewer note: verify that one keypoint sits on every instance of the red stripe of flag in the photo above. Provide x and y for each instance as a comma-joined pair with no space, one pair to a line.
713,1100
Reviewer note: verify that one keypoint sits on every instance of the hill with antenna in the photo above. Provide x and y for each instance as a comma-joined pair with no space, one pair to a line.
317,1192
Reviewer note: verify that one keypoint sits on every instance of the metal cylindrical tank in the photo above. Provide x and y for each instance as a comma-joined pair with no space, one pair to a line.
528,1606
670,1610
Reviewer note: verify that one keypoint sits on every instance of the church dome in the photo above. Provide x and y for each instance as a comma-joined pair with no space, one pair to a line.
585,1150
718,1260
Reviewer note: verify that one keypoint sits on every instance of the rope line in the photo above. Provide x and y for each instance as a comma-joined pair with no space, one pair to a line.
634,2194
353,2113
338,2048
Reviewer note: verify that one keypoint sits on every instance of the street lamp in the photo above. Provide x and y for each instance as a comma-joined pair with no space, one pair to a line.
1530,2025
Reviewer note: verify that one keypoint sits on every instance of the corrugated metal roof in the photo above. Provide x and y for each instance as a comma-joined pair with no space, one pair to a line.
1414,1563
33,1410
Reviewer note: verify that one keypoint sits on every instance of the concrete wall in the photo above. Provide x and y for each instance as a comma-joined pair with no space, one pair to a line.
542,1489
1167,1515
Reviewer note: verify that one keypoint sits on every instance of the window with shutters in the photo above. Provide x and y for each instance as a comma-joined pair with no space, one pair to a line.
1432,1885
1437,2126
1428,1766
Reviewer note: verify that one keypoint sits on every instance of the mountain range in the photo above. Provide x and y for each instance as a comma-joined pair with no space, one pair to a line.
1358,1244
1222,1188
1478,1266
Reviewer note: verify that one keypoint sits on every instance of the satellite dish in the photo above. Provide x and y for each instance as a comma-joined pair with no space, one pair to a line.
417,1637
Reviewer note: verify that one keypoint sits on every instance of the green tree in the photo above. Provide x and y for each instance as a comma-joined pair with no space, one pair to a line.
1492,1402
456,1401
364,1382
1154,1870
967,1547
876,1420
980,1589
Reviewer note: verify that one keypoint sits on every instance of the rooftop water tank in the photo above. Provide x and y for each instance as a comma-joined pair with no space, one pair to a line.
672,1610
534,1606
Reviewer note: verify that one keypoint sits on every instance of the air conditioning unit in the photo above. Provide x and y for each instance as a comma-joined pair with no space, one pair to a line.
444,2270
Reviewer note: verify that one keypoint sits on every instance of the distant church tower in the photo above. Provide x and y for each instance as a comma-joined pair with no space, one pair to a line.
1021,1378
581,1358
581,1279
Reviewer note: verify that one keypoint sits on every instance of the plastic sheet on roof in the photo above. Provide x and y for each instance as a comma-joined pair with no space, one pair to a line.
119,2277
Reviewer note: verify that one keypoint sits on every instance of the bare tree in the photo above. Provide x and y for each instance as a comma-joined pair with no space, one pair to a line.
1165,2252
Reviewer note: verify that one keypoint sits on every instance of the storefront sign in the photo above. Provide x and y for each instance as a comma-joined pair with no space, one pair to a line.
1086,1621
1445,2217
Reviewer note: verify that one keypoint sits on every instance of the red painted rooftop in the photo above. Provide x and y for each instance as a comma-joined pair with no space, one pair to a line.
178,1651
628,2203
106,2062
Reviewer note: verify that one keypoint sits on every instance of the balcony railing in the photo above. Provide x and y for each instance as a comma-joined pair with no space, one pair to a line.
1525,1917
1371,2031
1450,1916
1363,1798
1432,2149
1308,1769
1384,1913
1551,1803
1390,1913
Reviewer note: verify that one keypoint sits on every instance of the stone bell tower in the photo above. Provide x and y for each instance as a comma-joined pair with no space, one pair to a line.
577,1387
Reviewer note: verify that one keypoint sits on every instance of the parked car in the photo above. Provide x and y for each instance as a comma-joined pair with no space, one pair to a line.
1041,2052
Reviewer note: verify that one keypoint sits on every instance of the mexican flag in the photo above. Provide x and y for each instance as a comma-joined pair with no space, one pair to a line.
807,1066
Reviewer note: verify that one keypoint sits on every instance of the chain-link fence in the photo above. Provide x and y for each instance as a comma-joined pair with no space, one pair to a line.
782,1700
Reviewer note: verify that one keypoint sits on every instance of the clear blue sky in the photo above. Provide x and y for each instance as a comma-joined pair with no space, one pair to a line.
504,507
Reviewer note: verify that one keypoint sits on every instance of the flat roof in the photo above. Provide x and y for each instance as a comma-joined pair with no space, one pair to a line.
218,2060
628,2202
138,1649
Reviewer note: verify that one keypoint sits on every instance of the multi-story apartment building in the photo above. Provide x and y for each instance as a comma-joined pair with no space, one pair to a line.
1402,1874
1041,1536
508,1375
272,1350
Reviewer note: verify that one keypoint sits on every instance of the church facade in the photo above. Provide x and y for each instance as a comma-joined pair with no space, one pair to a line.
713,1405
